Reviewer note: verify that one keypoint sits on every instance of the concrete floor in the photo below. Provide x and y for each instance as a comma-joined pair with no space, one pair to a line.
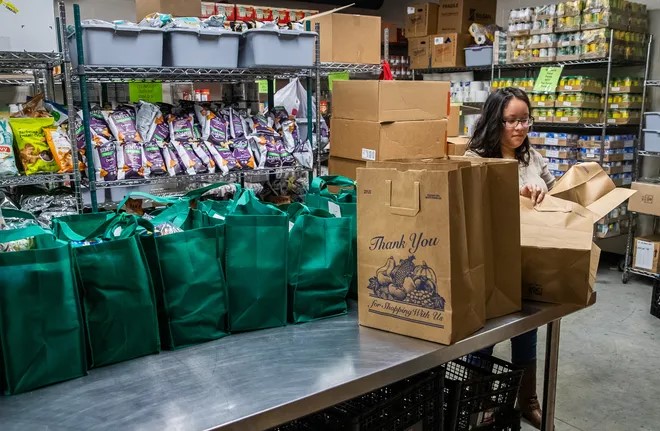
609,360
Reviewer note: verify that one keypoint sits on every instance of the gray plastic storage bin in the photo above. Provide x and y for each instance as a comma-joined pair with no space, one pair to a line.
652,120
273,47
652,140
107,44
479,56
203,47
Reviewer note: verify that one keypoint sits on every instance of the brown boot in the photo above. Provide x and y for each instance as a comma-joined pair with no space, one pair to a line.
528,401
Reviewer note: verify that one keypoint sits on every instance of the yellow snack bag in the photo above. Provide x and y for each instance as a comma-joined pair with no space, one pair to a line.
33,150
60,147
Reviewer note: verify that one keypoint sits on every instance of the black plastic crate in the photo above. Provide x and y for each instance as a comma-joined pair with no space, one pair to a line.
480,394
655,299
413,404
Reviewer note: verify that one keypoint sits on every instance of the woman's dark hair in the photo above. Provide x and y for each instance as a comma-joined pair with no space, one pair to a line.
488,130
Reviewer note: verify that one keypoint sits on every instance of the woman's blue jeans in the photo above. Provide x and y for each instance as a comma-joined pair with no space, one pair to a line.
523,348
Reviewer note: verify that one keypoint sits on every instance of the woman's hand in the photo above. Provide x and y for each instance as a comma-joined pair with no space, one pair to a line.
535,193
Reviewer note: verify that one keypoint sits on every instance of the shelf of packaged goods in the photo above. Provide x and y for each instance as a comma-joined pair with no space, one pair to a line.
653,83
453,69
186,74
584,126
587,62
248,176
643,273
28,180
29,60
373,69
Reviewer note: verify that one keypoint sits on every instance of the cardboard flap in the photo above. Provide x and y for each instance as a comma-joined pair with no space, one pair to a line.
607,203
583,184
550,225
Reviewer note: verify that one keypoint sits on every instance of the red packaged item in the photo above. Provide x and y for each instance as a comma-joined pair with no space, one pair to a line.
263,14
297,15
282,15
226,10
208,9
245,13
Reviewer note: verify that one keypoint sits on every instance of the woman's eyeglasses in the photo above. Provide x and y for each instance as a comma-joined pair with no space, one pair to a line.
512,124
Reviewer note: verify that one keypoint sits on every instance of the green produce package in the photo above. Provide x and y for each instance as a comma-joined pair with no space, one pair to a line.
256,234
186,267
320,263
33,150
42,339
115,285
340,204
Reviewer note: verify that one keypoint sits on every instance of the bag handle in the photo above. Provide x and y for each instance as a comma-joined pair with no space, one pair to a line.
297,209
177,214
406,212
159,199
108,228
10,235
252,205
12,213
322,183
198,193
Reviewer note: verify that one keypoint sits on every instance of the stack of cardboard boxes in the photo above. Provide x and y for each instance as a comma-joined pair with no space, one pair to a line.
387,120
438,33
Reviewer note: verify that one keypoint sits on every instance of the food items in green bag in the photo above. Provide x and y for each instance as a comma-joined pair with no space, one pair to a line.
7,158
33,149
60,147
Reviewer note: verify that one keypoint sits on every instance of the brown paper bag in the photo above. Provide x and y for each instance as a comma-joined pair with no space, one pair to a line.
584,184
501,237
415,275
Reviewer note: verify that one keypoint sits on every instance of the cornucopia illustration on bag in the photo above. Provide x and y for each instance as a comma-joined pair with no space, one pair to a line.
408,283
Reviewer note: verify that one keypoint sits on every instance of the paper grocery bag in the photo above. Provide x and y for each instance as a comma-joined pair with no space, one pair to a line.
584,184
501,235
559,258
415,276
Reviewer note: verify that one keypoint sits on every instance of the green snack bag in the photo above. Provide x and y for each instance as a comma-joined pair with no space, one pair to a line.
33,149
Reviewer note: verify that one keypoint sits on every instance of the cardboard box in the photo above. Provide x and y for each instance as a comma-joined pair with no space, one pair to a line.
395,32
419,51
458,15
420,271
453,129
421,19
385,101
647,199
344,167
369,140
448,49
174,7
559,258
645,253
350,38
457,145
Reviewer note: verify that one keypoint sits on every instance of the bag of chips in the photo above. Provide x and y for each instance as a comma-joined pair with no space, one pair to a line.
32,147
172,162
60,147
105,161
130,161
122,124
7,158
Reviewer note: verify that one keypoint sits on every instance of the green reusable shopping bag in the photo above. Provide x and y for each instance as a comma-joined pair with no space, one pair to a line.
341,204
188,275
115,286
320,263
256,264
42,339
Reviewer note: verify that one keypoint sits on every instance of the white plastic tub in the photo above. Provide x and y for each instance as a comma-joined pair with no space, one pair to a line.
208,47
479,56
268,47
107,44
652,140
652,120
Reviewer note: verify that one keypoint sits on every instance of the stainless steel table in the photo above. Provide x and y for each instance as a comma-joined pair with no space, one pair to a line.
258,380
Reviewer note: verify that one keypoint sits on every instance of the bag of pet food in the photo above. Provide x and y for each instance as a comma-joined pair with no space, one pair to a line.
31,144
60,147
7,159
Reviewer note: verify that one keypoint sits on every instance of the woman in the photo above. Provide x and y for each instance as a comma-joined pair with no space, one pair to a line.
501,132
